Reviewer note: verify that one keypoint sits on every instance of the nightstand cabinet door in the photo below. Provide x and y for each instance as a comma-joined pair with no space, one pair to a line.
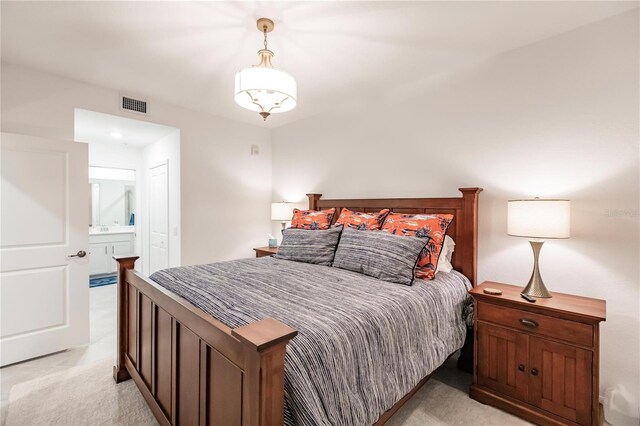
561,381
502,360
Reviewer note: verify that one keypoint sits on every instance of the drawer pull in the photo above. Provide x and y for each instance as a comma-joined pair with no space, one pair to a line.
534,371
521,367
528,322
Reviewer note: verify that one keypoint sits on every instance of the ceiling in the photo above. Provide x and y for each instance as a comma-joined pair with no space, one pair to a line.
90,126
186,53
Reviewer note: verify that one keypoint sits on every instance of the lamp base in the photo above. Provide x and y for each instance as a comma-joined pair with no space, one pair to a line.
535,287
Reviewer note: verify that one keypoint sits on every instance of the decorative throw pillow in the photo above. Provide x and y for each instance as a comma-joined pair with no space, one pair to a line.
309,246
312,219
361,220
379,254
432,226
446,254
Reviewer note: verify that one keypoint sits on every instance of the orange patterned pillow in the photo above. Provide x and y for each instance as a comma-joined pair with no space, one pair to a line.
312,219
362,221
432,226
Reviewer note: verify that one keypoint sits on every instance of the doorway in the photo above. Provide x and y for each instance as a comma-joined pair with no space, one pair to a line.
135,206
136,166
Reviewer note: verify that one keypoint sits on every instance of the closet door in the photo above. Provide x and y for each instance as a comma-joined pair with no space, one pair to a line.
560,379
503,357
158,217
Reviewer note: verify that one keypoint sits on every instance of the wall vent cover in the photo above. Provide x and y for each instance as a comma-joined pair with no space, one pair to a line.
133,105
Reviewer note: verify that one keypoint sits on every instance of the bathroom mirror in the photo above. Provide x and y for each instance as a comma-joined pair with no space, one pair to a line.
112,196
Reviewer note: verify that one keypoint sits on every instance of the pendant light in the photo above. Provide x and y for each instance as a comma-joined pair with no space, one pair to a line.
263,88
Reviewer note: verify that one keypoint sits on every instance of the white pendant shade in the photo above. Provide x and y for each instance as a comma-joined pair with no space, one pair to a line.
539,218
265,89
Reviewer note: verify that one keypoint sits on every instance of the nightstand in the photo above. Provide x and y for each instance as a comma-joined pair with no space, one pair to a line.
265,251
539,361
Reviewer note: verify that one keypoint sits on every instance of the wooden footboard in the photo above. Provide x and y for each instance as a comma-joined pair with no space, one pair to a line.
191,368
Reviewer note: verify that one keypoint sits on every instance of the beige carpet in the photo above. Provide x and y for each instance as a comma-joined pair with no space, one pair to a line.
84,395
88,395
439,404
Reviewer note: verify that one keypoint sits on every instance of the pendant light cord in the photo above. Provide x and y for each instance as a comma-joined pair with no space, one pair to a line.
264,29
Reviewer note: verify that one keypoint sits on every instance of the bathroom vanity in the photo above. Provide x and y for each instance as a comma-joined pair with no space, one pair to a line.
104,244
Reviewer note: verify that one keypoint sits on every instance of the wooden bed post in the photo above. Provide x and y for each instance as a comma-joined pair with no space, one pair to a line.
125,263
470,230
313,201
265,342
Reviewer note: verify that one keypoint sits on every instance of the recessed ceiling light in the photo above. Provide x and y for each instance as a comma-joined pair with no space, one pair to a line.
116,135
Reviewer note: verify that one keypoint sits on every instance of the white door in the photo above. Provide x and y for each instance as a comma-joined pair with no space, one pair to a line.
44,293
158,217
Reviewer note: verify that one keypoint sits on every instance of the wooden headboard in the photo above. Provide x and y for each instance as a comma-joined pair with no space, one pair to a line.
463,228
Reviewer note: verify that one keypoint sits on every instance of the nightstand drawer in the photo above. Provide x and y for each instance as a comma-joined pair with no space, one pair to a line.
570,331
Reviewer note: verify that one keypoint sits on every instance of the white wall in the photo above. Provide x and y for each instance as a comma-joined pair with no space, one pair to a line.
555,119
115,155
225,192
167,150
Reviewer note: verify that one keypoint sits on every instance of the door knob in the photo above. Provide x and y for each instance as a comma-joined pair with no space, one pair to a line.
81,253
534,371
521,367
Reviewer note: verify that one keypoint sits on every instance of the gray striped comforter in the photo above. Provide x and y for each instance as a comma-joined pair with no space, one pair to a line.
362,343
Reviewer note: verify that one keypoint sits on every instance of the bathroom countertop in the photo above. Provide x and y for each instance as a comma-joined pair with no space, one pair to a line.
113,230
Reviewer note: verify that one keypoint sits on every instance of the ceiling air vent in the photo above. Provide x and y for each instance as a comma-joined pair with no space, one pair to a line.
133,105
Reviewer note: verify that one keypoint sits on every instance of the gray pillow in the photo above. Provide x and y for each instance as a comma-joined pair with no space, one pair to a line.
382,255
309,245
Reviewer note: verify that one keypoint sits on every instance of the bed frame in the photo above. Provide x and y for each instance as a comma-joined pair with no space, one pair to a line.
194,370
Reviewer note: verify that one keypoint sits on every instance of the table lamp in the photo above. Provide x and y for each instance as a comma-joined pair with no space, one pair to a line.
281,212
538,220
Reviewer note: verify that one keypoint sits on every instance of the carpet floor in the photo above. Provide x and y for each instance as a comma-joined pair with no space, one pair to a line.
87,395
84,395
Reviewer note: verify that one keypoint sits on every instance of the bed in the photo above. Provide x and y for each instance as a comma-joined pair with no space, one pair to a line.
226,357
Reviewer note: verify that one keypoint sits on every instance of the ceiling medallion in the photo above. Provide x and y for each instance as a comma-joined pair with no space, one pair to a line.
263,88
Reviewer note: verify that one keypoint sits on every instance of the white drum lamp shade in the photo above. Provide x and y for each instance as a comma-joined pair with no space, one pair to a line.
538,218
281,211
265,89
